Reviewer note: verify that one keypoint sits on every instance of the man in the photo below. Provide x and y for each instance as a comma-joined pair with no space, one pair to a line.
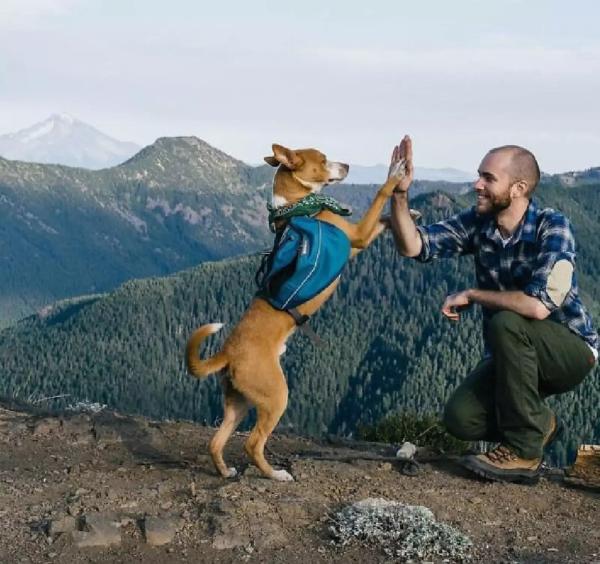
539,339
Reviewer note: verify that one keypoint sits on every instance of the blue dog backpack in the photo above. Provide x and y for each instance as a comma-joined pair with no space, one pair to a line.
307,256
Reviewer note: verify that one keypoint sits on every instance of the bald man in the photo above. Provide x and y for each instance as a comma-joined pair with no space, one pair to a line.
539,339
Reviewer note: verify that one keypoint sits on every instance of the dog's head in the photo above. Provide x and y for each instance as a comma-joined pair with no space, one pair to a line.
303,171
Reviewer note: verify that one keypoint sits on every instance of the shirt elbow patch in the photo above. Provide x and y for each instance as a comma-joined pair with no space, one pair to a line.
559,281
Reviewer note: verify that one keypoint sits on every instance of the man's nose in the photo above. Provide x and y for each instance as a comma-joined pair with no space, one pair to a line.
478,184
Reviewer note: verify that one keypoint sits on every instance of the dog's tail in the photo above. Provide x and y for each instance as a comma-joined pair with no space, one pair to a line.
195,365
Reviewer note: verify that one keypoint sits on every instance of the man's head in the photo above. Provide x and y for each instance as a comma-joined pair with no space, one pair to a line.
505,174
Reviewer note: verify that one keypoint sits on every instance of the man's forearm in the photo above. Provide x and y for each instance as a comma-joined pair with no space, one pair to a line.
516,301
407,238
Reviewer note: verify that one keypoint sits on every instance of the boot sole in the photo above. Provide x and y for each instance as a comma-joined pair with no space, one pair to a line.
526,477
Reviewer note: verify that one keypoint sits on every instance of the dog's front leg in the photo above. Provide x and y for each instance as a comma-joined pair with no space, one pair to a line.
380,227
369,226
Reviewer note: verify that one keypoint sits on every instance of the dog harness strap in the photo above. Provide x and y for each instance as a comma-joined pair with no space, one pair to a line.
301,322
298,317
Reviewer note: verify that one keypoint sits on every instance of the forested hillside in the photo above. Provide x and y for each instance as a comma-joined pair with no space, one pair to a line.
68,231
388,347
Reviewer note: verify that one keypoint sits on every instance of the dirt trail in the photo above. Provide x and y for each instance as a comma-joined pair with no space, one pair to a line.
145,491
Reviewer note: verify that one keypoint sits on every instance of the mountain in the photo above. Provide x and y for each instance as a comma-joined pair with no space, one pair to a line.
62,139
376,174
578,177
387,346
68,231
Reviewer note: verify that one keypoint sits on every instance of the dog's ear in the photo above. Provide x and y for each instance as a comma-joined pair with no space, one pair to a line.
272,161
286,157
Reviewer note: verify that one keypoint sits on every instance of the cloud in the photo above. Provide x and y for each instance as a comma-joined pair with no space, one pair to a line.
27,14
463,60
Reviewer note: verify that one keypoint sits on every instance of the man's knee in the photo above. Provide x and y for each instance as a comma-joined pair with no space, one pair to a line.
506,324
460,421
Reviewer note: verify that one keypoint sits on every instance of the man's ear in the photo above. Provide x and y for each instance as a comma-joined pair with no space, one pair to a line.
521,187
287,157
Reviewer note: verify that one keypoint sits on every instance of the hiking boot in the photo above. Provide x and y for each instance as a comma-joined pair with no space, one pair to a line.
553,432
503,465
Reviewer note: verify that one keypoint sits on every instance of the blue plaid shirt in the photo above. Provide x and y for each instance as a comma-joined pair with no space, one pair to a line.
524,262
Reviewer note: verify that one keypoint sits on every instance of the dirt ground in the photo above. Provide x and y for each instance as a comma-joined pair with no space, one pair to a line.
57,472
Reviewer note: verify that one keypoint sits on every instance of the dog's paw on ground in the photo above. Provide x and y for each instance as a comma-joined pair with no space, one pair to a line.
282,476
231,473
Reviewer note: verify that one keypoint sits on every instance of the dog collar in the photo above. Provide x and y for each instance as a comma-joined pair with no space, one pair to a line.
309,205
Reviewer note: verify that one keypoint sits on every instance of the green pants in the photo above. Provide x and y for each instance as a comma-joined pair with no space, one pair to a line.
502,400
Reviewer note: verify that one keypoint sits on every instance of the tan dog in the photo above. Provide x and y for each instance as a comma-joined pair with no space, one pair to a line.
251,352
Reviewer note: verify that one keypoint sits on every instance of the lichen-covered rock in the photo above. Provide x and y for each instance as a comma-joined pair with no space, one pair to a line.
401,531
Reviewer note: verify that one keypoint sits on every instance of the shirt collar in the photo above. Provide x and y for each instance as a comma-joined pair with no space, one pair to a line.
525,231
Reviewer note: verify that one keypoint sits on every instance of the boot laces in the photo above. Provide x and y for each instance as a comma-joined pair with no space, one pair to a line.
501,454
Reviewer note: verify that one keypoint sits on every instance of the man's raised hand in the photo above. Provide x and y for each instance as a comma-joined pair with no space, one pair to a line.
401,166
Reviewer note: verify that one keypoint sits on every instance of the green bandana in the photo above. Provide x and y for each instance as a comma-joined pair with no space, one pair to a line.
310,205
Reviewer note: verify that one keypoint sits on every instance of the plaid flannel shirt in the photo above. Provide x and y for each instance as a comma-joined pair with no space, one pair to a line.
523,262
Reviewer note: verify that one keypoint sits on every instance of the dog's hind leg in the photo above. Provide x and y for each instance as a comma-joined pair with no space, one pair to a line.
235,409
270,406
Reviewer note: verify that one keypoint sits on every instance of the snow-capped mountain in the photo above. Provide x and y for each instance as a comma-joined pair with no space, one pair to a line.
62,139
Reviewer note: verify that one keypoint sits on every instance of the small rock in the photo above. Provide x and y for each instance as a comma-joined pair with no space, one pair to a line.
159,531
65,524
475,500
386,467
407,451
103,530
45,427
232,539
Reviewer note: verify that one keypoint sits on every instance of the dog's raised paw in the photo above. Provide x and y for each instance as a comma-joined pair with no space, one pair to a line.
231,473
282,476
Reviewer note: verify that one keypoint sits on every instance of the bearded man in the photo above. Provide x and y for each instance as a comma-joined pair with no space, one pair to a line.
539,339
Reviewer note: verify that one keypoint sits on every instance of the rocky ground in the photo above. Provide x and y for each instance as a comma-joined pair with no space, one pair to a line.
108,488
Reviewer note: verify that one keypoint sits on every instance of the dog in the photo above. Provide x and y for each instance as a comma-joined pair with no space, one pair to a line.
249,358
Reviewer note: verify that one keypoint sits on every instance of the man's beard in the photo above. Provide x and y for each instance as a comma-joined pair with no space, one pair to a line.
500,203
497,204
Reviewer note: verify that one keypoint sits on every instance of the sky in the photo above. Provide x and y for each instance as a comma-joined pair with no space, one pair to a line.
348,77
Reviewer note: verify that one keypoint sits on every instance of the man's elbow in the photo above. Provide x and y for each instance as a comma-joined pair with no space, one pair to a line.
408,249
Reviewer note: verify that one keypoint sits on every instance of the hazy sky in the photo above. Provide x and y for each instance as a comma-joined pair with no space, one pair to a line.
345,76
